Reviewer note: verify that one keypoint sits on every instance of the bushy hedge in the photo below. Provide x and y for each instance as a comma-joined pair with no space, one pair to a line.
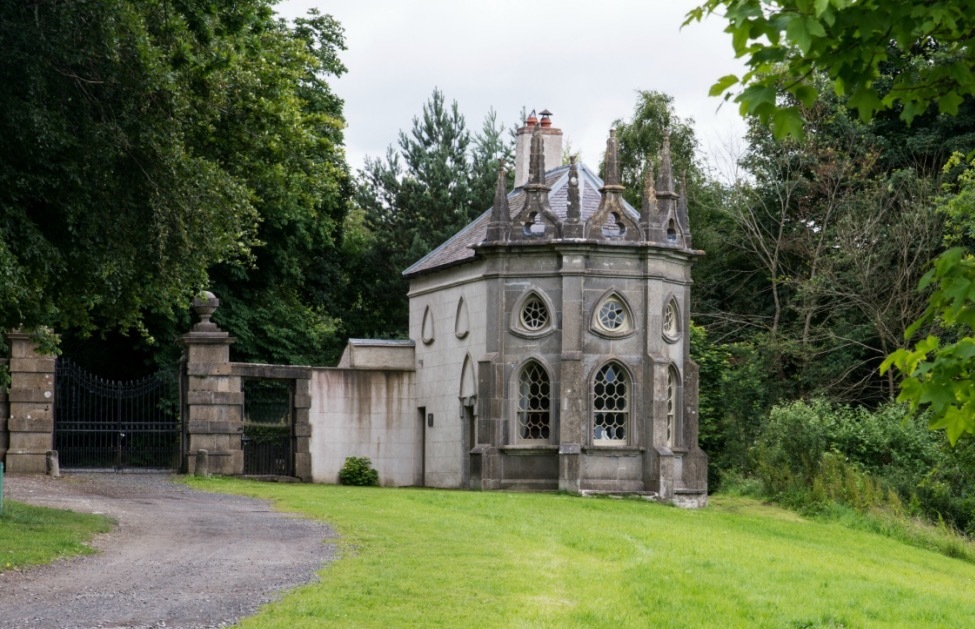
358,471
811,454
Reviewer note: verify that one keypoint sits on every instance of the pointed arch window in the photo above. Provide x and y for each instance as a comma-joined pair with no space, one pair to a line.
673,407
671,321
610,405
534,403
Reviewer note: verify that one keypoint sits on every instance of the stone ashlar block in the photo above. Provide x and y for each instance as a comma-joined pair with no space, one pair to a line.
214,428
302,429
207,353
215,413
208,369
302,445
31,365
32,380
302,401
214,398
31,410
26,462
31,424
32,441
42,396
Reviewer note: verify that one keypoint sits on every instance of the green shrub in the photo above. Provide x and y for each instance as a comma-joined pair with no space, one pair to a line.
358,471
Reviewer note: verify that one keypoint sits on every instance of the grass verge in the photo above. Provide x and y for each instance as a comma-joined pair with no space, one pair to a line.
412,557
36,535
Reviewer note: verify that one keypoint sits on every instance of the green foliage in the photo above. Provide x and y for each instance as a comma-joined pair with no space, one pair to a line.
108,209
358,471
784,42
641,139
815,455
736,389
938,373
157,149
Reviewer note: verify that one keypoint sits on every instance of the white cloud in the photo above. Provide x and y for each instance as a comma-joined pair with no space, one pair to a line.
582,60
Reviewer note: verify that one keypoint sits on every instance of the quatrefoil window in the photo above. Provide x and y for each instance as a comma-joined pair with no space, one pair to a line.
612,317
532,315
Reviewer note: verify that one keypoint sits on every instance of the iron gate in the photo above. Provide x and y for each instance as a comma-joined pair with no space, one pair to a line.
268,434
101,423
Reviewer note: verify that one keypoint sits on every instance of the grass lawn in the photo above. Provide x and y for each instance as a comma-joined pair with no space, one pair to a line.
35,535
422,558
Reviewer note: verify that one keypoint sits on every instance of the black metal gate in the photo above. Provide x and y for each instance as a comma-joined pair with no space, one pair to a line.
100,423
268,433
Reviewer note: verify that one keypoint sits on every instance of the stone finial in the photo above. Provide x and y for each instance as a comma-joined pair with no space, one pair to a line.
500,212
204,307
611,220
573,228
573,211
683,216
612,160
648,209
665,179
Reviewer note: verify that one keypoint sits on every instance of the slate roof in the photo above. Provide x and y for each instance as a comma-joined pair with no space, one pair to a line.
458,248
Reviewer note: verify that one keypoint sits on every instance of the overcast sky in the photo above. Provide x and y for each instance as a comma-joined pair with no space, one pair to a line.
584,61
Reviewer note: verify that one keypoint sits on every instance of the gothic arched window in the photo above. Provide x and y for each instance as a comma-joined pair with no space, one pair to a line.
610,405
534,403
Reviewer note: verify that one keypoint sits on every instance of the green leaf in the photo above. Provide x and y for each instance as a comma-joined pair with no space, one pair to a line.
787,122
722,84
797,30
948,103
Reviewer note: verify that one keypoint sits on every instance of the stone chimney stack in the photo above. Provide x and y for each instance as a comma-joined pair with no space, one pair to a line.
552,138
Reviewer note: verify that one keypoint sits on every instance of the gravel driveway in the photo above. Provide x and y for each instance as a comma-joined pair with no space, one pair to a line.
178,557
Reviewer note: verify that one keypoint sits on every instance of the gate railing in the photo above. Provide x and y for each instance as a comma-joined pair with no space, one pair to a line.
101,423
268,439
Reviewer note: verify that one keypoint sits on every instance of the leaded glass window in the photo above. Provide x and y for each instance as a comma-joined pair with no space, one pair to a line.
534,314
611,406
534,402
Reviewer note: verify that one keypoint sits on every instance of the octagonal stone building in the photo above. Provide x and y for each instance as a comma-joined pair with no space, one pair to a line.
551,336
